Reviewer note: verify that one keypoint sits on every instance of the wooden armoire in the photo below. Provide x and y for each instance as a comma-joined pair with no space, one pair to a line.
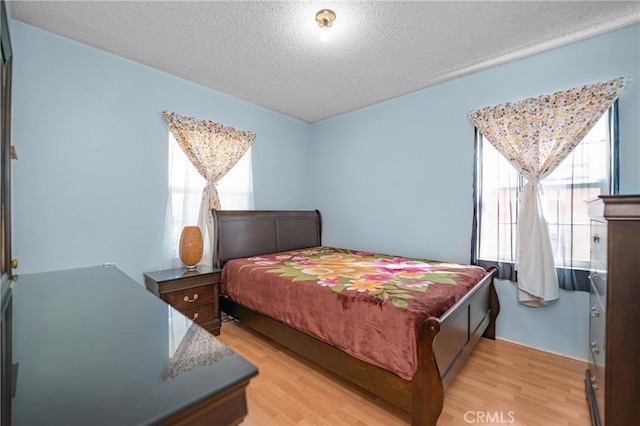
613,379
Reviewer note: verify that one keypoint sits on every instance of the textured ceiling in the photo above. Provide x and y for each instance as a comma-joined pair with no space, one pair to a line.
270,53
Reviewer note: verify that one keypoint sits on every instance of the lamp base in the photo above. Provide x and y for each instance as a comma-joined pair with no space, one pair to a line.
190,246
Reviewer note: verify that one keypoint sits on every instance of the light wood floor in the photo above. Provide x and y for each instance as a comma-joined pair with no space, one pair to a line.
501,383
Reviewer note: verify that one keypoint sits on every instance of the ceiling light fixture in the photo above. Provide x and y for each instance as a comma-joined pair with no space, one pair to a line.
325,18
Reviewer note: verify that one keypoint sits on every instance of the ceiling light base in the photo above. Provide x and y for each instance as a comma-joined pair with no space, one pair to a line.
325,18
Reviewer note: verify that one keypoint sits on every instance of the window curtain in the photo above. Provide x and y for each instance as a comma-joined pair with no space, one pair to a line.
535,135
213,149
185,194
589,170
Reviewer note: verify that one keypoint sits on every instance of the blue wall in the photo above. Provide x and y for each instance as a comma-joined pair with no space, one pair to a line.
397,177
90,184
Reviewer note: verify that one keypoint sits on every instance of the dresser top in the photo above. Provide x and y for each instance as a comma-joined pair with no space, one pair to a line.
94,347
615,207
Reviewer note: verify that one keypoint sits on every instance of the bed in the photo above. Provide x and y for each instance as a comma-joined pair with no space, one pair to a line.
284,248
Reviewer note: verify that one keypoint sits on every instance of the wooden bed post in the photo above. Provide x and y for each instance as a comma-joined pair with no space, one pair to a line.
216,241
427,390
494,305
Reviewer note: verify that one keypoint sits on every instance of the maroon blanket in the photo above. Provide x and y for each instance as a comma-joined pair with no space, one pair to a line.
368,305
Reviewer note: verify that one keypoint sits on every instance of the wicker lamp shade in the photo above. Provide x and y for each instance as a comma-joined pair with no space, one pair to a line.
191,246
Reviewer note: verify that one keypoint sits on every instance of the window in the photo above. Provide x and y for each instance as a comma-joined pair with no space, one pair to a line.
235,190
587,172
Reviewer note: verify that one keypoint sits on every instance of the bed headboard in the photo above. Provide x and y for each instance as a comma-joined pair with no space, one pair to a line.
245,233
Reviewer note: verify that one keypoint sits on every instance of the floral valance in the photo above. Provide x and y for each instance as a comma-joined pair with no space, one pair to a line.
211,147
536,134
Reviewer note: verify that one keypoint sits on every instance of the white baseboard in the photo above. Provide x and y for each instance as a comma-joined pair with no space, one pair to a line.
543,350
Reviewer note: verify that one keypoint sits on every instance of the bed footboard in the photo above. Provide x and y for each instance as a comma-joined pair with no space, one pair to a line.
427,390
445,343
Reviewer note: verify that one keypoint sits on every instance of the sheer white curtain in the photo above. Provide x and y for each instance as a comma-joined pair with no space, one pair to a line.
185,195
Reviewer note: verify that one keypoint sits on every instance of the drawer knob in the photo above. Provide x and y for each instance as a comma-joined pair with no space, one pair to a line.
194,316
595,312
195,297
596,238
595,348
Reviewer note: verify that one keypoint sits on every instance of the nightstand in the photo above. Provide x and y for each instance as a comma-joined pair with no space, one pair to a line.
192,292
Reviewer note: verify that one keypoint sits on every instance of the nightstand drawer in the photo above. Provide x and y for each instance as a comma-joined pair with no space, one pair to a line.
191,297
199,314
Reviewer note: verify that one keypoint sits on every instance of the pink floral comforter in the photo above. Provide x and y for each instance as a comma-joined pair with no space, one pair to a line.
368,305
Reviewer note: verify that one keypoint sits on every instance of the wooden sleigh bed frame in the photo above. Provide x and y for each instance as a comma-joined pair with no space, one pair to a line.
444,343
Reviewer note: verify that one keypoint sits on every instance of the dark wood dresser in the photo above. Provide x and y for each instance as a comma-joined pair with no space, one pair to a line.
93,347
613,379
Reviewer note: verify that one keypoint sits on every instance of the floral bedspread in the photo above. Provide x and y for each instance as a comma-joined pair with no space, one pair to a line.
367,304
